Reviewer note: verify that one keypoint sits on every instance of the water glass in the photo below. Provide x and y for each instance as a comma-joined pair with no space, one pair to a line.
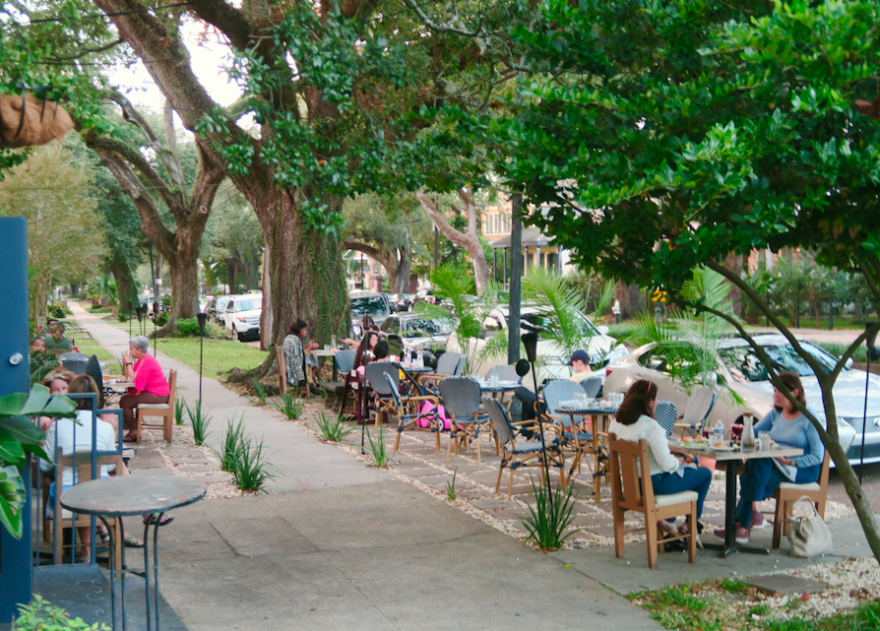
332,341
327,347
764,441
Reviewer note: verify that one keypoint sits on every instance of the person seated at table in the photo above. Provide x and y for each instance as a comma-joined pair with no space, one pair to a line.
57,343
762,476
66,436
367,349
58,382
38,346
150,385
580,366
635,420
367,326
295,355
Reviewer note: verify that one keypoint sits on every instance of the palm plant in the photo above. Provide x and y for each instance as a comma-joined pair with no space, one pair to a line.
467,311
561,308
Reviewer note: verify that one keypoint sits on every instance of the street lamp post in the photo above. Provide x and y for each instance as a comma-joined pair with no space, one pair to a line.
130,316
530,341
155,338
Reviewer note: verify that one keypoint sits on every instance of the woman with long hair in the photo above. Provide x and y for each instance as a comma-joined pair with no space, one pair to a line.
295,351
366,348
635,420
762,476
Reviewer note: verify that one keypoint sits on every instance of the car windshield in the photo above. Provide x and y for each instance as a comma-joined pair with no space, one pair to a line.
544,323
425,327
244,305
744,365
375,304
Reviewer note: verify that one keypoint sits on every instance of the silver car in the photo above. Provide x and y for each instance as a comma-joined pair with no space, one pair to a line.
414,332
739,367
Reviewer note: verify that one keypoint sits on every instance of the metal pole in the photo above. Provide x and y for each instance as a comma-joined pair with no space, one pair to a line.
516,268
153,275
797,303
201,357
494,265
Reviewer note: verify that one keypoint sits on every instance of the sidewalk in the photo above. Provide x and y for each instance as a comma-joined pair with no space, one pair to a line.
337,545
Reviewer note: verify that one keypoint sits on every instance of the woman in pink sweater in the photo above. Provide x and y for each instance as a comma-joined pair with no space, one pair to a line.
150,385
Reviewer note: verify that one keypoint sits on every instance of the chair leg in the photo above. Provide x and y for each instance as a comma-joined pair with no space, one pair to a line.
692,534
820,507
437,442
618,532
397,440
451,441
509,484
477,442
498,481
651,532
139,428
168,428
778,523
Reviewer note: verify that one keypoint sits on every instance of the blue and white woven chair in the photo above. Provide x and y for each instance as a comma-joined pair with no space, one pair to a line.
447,365
74,362
592,386
408,412
697,411
575,439
461,400
666,414
345,365
513,454
504,373
375,374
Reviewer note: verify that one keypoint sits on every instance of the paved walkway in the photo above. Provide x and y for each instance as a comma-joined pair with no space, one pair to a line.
338,545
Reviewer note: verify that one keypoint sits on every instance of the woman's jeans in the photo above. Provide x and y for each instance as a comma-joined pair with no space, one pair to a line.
693,480
760,480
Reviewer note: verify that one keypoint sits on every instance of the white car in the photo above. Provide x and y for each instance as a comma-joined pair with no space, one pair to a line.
242,315
553,362
739,367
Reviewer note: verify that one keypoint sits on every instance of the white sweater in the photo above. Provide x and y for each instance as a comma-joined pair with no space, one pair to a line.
660,459
60,436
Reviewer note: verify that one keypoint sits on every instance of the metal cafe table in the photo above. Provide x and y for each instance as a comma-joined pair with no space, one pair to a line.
134,495
731,455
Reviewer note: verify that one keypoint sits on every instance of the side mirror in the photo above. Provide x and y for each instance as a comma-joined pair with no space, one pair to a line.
603,330
849,363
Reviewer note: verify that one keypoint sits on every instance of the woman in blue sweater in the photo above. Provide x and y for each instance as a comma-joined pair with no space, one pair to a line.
762,476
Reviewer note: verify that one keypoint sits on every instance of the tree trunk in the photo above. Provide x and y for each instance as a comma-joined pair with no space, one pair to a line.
630,297
735,264
305,274
126,289
399,279
183,271
469,240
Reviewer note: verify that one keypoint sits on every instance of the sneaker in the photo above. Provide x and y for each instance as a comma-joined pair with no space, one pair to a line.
667,526
684,530
742,535
758,521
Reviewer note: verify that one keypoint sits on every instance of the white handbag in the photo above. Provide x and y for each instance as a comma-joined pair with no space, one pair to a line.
809,536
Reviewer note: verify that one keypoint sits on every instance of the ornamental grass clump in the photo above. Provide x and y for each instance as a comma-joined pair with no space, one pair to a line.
289,407
379,450
333,429
547,522
251,470
200,420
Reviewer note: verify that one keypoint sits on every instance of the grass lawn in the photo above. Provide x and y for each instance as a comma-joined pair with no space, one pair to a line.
220,355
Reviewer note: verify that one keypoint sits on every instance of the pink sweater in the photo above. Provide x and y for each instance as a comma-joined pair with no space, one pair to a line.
148,377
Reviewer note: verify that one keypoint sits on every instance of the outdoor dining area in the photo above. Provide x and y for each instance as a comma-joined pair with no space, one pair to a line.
569,436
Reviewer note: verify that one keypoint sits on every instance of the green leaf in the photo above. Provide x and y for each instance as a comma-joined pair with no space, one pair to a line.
12,497
10,449
23,430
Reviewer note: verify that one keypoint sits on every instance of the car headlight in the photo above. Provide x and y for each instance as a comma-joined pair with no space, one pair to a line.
617,354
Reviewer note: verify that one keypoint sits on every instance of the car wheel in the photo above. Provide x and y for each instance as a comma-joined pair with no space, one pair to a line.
241,336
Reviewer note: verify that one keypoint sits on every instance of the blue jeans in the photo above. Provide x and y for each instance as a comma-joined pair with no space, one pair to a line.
694,480
760,480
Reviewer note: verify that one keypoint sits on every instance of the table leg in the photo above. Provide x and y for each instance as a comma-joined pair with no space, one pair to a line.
730,544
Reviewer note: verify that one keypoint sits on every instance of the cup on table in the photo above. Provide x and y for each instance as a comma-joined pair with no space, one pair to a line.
327,347
764,441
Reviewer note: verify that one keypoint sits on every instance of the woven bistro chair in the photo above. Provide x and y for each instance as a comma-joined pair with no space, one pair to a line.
448,365
504,373
77,363
375,374
697,411
345,365
575,437
666,414
408,413
629,466
523,454
462,401
592,386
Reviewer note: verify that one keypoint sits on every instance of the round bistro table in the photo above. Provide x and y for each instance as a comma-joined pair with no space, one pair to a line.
134,495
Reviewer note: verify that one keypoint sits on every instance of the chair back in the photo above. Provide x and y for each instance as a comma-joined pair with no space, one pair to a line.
500,420
447,363
93,370
629,465
75,362
459,367
345,361
282,369
376,371
461,395
393,387
592,385
699,407
504,372
172,388
666,415
560,390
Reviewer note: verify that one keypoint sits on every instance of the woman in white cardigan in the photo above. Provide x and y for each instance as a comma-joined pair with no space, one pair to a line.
635,420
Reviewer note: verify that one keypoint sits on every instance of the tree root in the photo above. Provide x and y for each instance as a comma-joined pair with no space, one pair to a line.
268,367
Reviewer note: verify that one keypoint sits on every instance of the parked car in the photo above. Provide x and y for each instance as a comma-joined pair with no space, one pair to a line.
402,302
409,332
367,303
218,308
739,368
553,362
243,315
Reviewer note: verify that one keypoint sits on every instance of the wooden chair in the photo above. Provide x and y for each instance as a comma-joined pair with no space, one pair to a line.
789,493
628,461
282,375
163,410
83,460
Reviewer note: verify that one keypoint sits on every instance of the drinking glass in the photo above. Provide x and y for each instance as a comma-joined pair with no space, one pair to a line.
764,441
332,341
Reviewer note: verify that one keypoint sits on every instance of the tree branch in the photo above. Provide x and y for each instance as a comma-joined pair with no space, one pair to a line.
444,28
228,20
88,51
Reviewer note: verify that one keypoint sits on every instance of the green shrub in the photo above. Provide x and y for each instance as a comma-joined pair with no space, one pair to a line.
200,420
333,430
189,327
251,470
40,615
289,407
379,450
233,443
58,309
547,522
162,320
122,316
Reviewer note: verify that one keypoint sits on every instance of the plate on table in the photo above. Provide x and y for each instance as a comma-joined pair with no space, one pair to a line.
725,448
